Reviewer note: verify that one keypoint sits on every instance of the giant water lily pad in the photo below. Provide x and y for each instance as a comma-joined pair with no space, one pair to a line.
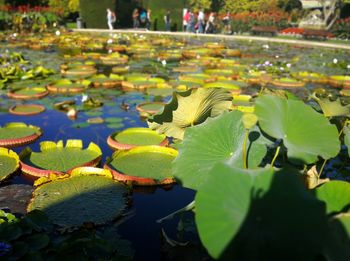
188,109
9,163
56,158
241,212
82,197
144,165
217,140
305,133
27,109
336,194
16,134
66,86
28,93
133,137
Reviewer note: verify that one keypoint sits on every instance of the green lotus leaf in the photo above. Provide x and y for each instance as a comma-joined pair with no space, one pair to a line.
188,109
336,194
241,212
332,108
305,133
9,163
73,201
344,220
217,140
56,157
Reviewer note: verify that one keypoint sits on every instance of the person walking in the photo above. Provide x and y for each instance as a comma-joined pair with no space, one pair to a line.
210,26
201,22
185,19
111,18
191,23
135,18
167,21
148,19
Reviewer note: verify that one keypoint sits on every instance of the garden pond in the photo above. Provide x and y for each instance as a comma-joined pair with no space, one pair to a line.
69,100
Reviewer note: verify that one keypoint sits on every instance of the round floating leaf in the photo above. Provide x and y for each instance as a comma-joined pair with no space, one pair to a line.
143,165
305,133
336,194
78,199
133,137
217,140
56,158
346,131
241,212
188,109
27,109
9,163
16,134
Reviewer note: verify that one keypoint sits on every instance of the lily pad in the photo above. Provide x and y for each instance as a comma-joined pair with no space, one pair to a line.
144,165
28,93
27,109
305,133
9,163
72,200
217,140
188,109
336,195
133,137
149,108
55,158
17,134
66,86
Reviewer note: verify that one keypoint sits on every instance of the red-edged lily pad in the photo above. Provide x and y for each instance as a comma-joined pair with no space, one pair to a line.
134,137
143,166
17,134
54,158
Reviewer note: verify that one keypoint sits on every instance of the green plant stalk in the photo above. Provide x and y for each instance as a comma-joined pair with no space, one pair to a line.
188,207
276,155
245,149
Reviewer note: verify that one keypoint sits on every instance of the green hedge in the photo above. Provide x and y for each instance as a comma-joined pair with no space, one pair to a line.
159,8
94,13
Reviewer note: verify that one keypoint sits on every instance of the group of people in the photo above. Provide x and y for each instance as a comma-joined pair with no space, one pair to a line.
141,18
192,22
200,23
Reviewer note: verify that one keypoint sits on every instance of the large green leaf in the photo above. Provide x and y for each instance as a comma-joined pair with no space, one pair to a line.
190,108
81,198
54,156
259,215
305,133
217,140
336,194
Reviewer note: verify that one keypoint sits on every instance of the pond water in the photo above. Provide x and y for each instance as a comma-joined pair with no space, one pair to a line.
119,112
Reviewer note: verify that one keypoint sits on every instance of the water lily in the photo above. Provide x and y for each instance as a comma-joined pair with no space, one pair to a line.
109,41
164,63
348,66
58,33
288,65
335,60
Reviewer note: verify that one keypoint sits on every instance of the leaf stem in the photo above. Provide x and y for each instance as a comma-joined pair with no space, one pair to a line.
321,170
186,208
276,155
244,154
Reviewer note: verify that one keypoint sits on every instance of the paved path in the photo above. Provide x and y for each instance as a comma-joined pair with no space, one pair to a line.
226,37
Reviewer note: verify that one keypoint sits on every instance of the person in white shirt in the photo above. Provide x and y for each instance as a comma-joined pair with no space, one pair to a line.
201,22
